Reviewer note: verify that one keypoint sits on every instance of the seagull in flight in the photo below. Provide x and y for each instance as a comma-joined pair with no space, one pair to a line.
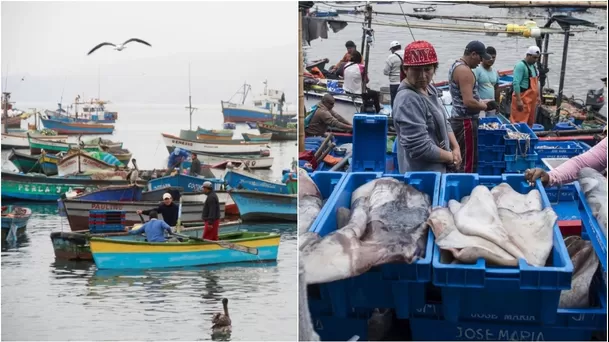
119,47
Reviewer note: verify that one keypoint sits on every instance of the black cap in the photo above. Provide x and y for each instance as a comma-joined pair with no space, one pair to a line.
350,44
479,48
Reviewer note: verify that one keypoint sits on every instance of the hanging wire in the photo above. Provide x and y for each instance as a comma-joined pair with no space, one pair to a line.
406,18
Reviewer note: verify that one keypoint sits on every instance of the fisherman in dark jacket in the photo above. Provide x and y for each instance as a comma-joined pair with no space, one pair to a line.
195,167
168,209
211,213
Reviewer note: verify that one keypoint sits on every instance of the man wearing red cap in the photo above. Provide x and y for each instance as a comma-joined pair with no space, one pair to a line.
467,104
426,141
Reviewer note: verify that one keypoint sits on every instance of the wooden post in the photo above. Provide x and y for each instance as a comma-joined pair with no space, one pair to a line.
5,104
301,103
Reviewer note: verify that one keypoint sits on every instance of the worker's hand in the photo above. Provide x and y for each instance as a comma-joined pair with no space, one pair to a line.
457,160
531,175
519,105
491,105
139,212
126,229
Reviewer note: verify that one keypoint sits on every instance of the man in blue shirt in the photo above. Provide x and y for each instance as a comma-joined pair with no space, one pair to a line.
154,229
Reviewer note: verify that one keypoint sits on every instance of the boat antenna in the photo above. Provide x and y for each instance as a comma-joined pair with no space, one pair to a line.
98,83
190,108
6,79
406,18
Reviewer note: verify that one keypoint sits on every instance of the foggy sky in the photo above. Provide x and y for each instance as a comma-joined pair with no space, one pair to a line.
227,43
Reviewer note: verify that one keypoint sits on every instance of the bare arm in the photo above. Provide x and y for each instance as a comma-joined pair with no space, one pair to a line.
465,79
595,158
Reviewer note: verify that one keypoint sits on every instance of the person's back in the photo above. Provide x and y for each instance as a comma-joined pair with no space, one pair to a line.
154,229
352,78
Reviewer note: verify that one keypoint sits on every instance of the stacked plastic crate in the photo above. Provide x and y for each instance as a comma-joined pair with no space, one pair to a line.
106,221
520,151
491,147
559,149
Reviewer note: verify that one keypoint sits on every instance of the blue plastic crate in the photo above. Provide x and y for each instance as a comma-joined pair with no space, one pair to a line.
491,137
106,228
108,212
491,168
369,143
391,164
560,149
521,147
330,328
565,201
397,285
490,153
592,228
519,163
470,290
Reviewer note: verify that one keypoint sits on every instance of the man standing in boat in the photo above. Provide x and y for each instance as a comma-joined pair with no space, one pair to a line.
525,92
325,117
211,212
464,117
195,167
168,209
487,78
393,65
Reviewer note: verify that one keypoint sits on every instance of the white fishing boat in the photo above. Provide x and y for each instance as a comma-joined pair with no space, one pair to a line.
235,147
19,140
81,162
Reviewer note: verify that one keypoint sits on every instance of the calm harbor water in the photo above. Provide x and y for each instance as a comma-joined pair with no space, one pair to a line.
586,62
47,300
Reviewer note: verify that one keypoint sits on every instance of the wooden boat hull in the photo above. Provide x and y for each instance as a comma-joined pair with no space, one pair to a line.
263,137
75,245
238,147
264,206
279,133
12,122
19,141
77,127
188,183
116,254
242,114
36,145
246,181
47,189
77,211
79,163
219,162
36,164
194,196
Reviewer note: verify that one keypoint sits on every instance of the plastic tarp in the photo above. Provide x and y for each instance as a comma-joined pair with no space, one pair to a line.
106,158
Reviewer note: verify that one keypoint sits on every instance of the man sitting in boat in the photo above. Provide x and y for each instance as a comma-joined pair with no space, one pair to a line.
195,167
168,209
351,48
211,213
325,117
154,229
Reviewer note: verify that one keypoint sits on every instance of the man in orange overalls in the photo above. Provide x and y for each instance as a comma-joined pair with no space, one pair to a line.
525,95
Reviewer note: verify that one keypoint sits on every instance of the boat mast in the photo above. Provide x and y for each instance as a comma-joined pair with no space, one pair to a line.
190,108
366,37
98,83
301,111
6,97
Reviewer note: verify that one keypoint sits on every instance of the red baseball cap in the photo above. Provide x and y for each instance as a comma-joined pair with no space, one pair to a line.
420,53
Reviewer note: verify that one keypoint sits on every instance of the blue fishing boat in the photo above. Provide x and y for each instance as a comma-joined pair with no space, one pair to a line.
63,127
14,220
119,254
266,107
188,183
265,206
240,180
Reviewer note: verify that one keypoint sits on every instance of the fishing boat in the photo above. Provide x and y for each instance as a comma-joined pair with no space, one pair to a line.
12,122
122,154
188,183
264,137
26,163
20,140
41,188
263,108
77,210
36,145
265,206
424,9
252,125
14,219
77,161
323,13
74,245
93,111
236,161
73,127
278,133
224,147
241,180
117,254
213,134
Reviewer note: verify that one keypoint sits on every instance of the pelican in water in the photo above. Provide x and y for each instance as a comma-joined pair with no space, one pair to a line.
119,47
222,322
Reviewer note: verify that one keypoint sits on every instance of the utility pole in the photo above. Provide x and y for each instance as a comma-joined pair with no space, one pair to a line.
5,103
190,108
368,39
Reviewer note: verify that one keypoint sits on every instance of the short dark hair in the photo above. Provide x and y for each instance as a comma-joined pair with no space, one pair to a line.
356,57
491,50
350,44
153,214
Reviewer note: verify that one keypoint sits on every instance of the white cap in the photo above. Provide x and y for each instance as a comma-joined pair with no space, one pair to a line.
533,50
394,44
166,195
207,184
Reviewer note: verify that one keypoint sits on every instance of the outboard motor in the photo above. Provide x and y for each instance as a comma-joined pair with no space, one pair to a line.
595,99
